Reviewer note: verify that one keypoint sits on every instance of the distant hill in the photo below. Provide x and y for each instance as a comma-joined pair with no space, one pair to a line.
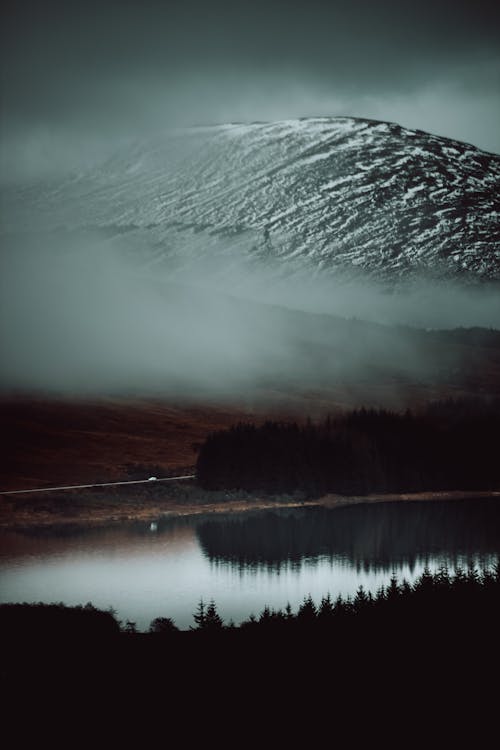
331,194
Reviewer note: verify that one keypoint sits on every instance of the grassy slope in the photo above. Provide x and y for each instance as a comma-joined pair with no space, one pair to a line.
70,441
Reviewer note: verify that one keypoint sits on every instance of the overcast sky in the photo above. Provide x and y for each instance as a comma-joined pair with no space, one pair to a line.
76,75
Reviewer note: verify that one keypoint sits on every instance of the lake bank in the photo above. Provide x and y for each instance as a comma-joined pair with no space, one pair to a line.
90,508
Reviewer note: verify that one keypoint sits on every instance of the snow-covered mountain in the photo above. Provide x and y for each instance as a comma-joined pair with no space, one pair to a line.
338,194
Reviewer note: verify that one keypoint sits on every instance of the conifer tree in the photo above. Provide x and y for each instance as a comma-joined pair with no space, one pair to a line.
213,621
199,616
326,608
307,611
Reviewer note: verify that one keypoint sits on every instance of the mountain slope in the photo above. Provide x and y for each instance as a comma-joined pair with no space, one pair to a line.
332,194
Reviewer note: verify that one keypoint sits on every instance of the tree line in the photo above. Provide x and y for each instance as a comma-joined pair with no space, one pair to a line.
462,597
448,445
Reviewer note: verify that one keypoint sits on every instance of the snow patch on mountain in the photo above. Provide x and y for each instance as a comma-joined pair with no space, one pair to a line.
332,194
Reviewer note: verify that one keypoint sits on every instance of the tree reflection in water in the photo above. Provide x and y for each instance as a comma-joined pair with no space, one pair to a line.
373,538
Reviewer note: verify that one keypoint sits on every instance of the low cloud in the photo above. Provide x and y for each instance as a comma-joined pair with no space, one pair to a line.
79,317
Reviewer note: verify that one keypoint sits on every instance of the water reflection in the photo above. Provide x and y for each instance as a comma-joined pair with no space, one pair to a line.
379,537
243,561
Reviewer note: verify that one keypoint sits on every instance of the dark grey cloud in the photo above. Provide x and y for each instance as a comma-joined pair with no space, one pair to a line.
90,70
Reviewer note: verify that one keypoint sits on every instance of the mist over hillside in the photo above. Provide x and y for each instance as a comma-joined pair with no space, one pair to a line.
239,258
81,318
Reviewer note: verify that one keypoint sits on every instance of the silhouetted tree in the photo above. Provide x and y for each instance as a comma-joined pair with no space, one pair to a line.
307,611
362,600
207,618
163,626
199,616
326,609
212,620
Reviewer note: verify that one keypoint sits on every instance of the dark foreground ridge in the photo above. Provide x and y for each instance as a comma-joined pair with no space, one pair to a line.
454,619
419,659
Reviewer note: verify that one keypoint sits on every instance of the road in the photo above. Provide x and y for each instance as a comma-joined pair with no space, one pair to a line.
101,484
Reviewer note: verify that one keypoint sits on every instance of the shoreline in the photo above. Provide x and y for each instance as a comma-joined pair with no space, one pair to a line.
30,516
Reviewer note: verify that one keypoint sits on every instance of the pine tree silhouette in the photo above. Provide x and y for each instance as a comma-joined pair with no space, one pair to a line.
199,616
212,620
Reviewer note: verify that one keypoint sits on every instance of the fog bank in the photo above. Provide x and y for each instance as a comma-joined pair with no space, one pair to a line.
79,315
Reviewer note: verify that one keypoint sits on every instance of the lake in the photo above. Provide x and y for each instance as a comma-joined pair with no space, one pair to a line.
244,561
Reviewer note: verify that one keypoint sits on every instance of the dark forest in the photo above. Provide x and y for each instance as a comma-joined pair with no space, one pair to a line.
448,445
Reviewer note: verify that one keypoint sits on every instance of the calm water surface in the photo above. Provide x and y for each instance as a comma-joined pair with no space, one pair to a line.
244,561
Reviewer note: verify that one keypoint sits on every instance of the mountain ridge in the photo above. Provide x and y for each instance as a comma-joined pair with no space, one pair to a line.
341,196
